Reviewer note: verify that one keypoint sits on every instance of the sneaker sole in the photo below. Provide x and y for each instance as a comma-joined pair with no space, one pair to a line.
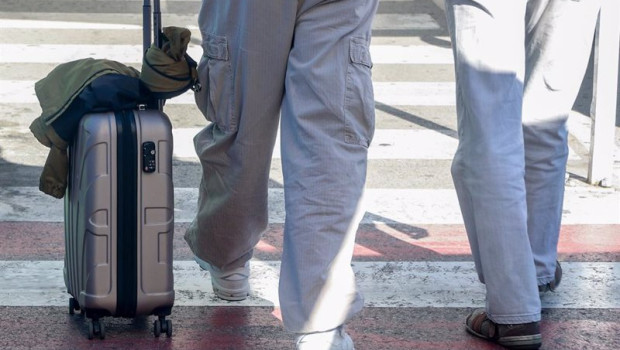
522,342
223,293
230,295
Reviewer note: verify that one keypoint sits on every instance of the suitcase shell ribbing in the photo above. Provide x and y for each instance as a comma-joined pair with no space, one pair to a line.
119,215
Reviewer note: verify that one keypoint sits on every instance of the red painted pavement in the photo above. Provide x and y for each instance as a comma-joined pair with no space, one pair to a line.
380,242
256,328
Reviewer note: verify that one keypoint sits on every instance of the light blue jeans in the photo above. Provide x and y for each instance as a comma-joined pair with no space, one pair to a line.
519,65
310,61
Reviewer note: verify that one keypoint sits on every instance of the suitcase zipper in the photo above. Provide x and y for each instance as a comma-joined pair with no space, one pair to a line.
127,231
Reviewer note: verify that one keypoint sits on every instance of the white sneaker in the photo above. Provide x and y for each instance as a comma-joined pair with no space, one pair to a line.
336,339
231,285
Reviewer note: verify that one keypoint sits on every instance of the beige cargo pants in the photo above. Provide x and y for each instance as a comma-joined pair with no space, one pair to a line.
306,63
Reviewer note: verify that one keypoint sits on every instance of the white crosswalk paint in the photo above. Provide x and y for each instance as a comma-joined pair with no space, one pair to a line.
55,53
386,144
415,93
582,205
393,93
43,24
404,21
384,284
398,144
411,54
383,21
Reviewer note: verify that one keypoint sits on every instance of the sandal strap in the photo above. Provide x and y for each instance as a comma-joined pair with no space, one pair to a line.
480,323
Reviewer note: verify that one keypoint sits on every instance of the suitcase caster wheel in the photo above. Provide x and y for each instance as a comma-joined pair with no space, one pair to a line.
96,328
101,331
157,328
162,325
168,328
73,306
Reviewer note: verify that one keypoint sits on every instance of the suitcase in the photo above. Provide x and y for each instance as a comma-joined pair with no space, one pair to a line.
119,220
119,217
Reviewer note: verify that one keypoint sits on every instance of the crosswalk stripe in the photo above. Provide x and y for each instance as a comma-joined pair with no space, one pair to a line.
390,93
404,21
381,72
582,205
383,21
387,144
43,24
395,94
415,93
61,53
384,284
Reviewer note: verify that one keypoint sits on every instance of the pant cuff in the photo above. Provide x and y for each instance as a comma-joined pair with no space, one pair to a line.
514,319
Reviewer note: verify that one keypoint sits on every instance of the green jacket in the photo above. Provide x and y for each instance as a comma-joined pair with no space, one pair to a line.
167,72
55,93
62,85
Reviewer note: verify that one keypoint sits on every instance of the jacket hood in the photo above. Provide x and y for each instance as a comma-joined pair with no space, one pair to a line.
169,71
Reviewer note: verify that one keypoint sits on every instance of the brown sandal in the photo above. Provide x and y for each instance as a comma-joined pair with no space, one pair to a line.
511,336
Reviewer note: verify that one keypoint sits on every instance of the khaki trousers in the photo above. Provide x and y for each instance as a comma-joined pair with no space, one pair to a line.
309,62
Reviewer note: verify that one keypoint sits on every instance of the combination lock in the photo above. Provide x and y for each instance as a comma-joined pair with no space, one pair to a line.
149,163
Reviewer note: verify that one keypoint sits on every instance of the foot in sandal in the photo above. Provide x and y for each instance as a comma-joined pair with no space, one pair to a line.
511,336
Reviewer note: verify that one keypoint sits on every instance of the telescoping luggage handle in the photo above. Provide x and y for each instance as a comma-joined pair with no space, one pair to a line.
171,76
156,24
146,28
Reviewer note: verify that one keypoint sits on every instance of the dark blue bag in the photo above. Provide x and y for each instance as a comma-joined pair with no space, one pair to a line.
109,92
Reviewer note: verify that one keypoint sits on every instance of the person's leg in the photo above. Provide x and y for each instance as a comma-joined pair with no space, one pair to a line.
327,125
559,35
488,167
246,45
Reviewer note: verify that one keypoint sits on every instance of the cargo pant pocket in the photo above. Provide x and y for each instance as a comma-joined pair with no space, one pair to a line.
359,103
215,99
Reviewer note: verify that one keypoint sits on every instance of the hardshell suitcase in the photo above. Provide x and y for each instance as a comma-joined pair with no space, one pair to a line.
119,219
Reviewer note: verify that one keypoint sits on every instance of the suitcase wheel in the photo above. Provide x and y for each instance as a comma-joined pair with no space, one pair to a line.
95,327
73,306
162,325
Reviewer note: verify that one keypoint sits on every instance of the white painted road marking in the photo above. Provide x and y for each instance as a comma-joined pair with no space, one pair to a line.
384,284
382,21
387,144
42,24
394,94
582,205
128,54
